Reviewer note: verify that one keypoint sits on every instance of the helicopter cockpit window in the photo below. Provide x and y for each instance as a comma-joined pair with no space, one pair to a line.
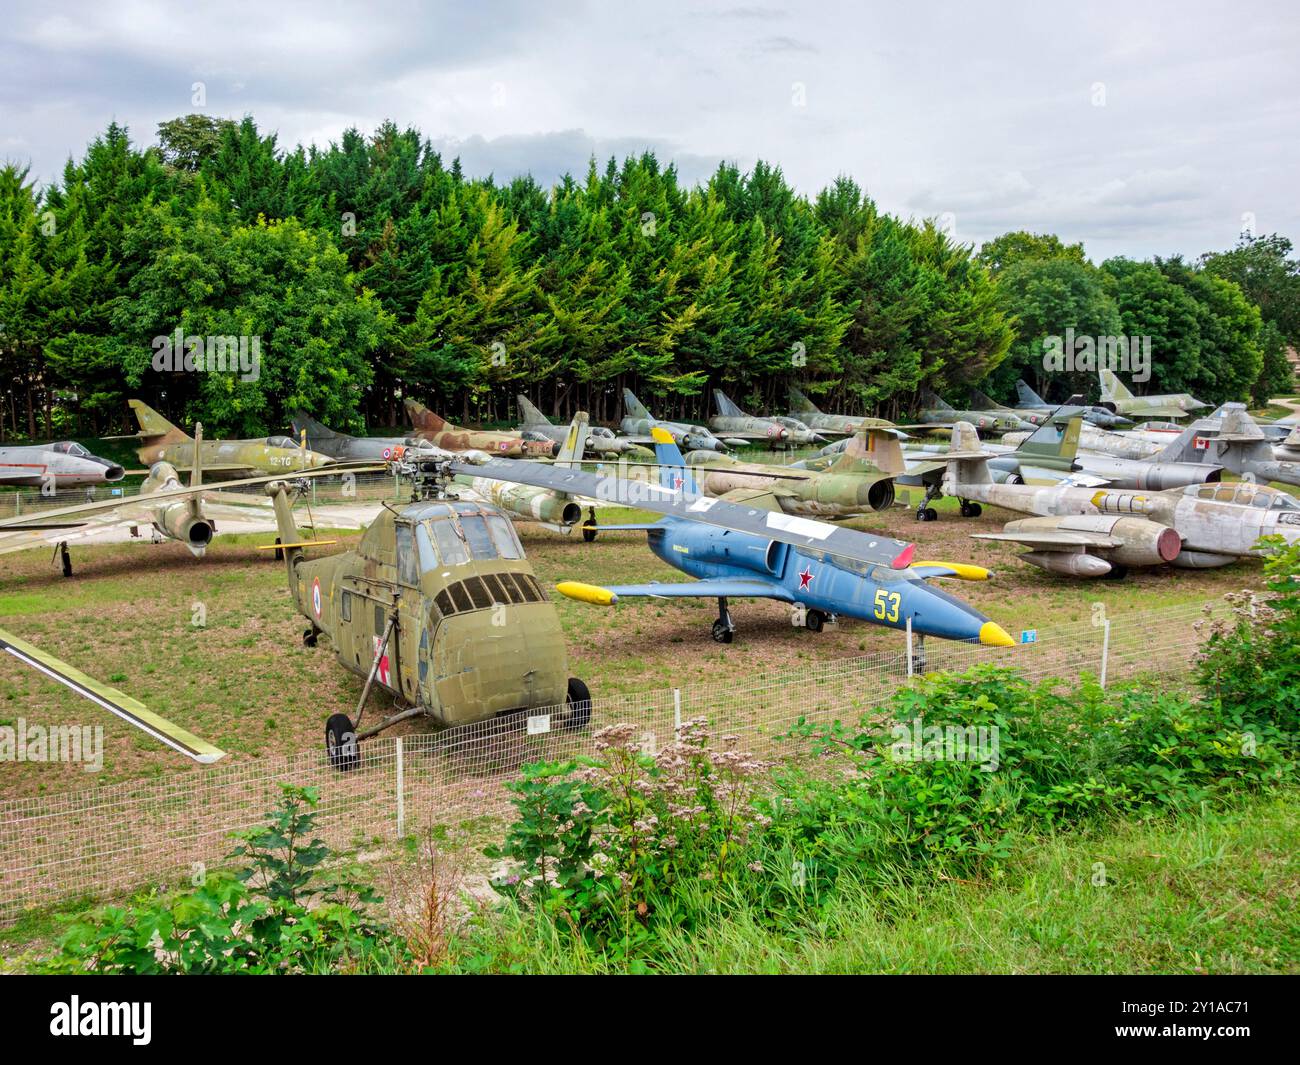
428,556
451,549
408,569
478,537
504,534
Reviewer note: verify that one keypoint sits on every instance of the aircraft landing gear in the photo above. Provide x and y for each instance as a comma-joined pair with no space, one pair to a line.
589,526
578,703
970,510
815,620
925,512
1117,573
309,636
724,629
341,742
61,552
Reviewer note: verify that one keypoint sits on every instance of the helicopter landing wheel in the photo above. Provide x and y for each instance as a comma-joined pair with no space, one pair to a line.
971,510
721,633
309,636
814,621
578,703
341,742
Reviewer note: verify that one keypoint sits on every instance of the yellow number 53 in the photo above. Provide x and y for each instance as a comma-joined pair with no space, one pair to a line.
887,605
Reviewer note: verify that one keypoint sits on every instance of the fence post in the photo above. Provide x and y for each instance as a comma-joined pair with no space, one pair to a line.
677,713
401,792
909,645
1105,650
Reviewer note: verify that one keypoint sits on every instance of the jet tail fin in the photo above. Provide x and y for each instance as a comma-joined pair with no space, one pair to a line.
1112,387
1027,396
726,408
154,428
316,432
423,418
801,404
877,448
1053,440
529,414
674,474
968,463
571,451
635,408
1183,447
979,401
933,401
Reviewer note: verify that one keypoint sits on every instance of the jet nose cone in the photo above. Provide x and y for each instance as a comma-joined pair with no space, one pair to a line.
994,635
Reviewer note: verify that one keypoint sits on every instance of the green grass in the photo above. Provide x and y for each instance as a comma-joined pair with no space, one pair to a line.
1209,893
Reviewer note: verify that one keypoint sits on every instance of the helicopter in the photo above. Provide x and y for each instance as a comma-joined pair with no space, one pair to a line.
437,606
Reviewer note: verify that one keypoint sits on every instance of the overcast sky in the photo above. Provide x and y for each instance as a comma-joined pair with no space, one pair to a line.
1138,128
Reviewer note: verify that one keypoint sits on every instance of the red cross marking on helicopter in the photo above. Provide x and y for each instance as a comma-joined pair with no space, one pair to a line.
805,577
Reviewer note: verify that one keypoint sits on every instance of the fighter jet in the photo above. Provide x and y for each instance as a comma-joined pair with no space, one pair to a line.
600,441
937,412
345,448
441,433
1086,532
777,432
1031,403
983,403
160,441
1115,397
640,423
859,480
1234,442
750,548
62,464
803,409
163,506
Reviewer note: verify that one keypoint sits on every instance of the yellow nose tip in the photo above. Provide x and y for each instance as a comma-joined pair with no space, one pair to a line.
995,635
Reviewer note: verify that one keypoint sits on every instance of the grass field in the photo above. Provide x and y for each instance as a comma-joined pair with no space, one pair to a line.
244,680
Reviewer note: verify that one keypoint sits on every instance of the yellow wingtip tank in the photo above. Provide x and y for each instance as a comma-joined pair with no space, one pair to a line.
586,593
961,570
130,710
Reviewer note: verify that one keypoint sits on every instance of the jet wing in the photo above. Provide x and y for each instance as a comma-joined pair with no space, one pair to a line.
1160,412
115,702
689,506
712,588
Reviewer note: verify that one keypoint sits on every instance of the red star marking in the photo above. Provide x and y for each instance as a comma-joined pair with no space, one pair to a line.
678,482
805,578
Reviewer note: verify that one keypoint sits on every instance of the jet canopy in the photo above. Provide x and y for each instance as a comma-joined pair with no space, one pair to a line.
70,447
1244,494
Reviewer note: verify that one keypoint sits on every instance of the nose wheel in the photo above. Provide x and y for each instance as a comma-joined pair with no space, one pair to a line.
925,512
724,629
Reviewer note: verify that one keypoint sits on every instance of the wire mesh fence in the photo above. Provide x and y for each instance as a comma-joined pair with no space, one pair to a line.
107,842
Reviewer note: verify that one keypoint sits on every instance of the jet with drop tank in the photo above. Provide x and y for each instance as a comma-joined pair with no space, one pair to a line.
1116,397
639,423
62,464
1029,402
748,547
600,441
439,432
1085,532
777,432
161,441
344,448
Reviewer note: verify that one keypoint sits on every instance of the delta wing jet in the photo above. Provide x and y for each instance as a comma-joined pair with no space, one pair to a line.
1116,397
600,441
639,423
778,432
439,432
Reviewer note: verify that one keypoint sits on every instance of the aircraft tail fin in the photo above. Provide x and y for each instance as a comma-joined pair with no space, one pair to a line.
878,448
726,408
968,463
801,404
571,451
316,432
1053,440
635,408
196,468
979,401
424,419
1112,387
1027,396
674,473
1183,447
154,428
530,415
933,401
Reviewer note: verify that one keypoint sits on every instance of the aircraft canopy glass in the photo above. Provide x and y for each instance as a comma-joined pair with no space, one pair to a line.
453,533
69,447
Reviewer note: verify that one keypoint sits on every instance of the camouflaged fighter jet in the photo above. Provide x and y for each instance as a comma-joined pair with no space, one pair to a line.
803,409
347,448
168,510
560,511
1031,403
1234,442
439,432
777,432
600,441
640,423
744,546
439,607
981,402
63,464
1115,397
1085,532
937,412
160,441
859,479
128,709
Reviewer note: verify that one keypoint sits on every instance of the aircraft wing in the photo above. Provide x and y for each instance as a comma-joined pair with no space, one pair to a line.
1060,539
1160,412
115,702
689,506
712,588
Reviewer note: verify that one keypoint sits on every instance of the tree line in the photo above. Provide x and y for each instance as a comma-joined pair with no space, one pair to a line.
371,270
